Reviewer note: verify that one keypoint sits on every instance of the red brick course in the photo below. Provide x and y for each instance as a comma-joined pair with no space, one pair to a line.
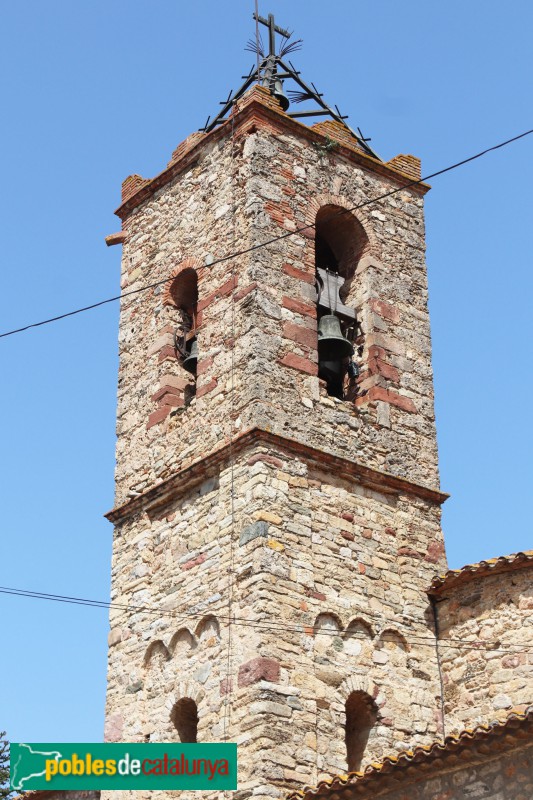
294,272
222,291
299,307
395,399
203,365
244,291
299,334
206,388
157,416
300,363
384,310
194,562
378,367
266,458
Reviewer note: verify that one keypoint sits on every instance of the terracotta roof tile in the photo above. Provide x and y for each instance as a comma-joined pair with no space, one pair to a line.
421,753
453,577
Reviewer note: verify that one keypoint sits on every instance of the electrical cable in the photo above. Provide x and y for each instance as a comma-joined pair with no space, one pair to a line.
417,639
268,242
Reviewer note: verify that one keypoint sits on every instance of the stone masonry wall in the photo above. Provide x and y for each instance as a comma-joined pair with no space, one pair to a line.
257,315
330,574
394,431
323,569
483,681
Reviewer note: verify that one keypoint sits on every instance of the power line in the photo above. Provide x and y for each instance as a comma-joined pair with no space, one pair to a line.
417,639
268,242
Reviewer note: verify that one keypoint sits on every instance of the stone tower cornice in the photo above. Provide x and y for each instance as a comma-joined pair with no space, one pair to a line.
258,109
202,468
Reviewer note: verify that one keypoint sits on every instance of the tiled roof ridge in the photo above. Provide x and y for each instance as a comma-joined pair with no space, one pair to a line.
419,753
487,566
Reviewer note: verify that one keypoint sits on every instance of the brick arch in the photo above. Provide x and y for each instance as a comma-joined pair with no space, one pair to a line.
185,689
320,200
358,683
188,263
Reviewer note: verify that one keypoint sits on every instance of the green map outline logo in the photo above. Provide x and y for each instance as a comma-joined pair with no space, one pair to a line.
16,764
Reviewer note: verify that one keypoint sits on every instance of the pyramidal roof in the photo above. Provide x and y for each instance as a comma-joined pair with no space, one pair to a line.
275,72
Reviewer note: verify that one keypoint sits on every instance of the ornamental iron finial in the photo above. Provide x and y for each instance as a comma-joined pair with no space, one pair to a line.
272,70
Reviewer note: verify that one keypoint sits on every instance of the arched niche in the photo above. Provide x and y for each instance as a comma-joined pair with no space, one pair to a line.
156,655
392,640
361,716
327,629
393,647
182,643
356,638
208,630
184,717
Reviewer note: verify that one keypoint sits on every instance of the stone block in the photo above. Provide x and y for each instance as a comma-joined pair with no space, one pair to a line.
253,531
259,669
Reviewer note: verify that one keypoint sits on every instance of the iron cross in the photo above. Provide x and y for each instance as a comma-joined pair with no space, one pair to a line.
272,30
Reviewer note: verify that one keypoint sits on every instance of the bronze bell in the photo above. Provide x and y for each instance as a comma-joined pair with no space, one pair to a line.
191,359
332,345
278,93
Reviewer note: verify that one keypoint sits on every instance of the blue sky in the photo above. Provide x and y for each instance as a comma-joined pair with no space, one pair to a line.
94,91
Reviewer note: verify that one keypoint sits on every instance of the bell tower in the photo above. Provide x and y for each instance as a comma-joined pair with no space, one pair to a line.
277,503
